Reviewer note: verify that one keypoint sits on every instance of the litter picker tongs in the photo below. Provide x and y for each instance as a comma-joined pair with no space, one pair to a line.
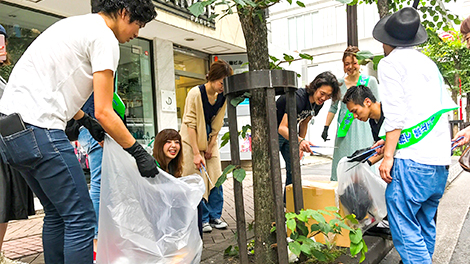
363,156
207,175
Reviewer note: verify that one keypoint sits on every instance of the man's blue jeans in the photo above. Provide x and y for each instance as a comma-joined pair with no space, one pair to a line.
285,151
95,157
47,161
412,199
212,209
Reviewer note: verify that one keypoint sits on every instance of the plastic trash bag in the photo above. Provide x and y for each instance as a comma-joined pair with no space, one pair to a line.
361,192
146,220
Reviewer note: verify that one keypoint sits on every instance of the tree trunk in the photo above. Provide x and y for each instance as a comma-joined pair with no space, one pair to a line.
256,38
382,6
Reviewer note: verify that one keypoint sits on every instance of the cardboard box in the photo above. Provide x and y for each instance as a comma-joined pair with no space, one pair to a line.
318,195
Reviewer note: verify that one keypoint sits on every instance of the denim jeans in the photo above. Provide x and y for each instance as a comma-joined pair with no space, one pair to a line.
95,157
412,199
212,209
285,152
47,161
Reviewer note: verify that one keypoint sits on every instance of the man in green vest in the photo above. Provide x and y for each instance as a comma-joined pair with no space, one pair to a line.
417,139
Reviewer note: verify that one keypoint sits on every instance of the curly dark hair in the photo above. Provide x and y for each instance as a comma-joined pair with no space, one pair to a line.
139,10
325,78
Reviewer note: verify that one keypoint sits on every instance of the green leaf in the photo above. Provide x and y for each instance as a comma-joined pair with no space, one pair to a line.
338,215
240,3
291,224
345,226
352,218
197,8
239,174
223,177
332,208
300,4
363,256
237,100
318,217
294,247
306,56
302,229
315,227
213,16
306,249
225,139
319,255
303,216
355,236
273,229
290,2
364,54
323,212
288,57
274,59
355,248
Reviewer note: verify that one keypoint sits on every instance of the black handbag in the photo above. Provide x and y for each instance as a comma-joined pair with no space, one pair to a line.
465,159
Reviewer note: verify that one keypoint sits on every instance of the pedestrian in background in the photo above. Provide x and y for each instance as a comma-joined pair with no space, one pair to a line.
309,101
16,199
465,30
55,76
417,143
202,120
351,135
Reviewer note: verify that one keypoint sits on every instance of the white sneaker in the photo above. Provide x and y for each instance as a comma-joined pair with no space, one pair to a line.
206,228
219,224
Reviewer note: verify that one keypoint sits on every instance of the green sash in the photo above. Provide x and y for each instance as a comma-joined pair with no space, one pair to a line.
414,134
118,104
349,117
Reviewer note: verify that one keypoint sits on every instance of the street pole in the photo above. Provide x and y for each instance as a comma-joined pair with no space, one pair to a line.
351,11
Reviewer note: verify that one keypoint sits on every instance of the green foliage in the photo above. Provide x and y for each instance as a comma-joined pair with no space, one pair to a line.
328,252
238,173
451,57
241,133
433,13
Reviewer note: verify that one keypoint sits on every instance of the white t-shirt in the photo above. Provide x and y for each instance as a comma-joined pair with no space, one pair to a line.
54,77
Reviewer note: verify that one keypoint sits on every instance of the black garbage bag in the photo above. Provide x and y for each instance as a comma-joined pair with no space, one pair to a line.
357,200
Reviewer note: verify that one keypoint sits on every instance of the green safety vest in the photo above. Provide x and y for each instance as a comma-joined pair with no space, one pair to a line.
349,117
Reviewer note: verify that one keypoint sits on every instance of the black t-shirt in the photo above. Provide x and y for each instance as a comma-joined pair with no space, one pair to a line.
210,110
304,108
376,125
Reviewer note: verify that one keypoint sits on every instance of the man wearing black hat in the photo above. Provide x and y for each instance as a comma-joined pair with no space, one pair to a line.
417,140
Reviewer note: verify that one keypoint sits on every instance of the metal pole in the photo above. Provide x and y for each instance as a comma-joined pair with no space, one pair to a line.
294,149
281,233
237,186
351,11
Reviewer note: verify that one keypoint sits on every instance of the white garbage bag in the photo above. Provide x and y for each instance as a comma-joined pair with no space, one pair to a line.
146,220
361,192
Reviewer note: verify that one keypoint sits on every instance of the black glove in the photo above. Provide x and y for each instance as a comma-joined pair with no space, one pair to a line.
96,131
324,135
146,163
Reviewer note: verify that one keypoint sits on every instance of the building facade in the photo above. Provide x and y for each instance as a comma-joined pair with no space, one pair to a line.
156,70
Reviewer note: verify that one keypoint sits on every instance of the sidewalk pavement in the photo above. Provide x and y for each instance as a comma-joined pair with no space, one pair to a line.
23,238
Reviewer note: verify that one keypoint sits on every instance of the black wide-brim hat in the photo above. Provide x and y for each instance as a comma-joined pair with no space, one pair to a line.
401,29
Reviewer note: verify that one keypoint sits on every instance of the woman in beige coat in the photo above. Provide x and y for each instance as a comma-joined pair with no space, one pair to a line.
203,117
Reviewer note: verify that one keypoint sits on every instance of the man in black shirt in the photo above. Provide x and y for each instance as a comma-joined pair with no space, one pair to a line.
309,101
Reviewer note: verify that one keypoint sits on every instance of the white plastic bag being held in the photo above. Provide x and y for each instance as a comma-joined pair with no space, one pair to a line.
361,192
146,220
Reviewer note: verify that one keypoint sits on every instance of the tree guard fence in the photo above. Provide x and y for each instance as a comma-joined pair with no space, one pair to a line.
275,82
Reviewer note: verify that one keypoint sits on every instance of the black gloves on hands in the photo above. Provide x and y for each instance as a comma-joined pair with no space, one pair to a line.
96,131
324,135
146,163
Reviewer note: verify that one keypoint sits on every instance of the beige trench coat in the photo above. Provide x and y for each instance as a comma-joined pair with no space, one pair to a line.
194,118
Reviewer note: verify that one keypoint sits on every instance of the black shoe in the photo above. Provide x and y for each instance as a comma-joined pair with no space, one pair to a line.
379,231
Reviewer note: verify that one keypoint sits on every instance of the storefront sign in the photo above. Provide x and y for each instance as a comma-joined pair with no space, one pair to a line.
168,101
180,8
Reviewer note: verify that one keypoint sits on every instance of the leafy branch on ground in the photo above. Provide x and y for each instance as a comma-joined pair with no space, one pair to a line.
303,245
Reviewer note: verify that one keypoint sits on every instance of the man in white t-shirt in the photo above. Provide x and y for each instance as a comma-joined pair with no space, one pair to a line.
417,142
55,76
